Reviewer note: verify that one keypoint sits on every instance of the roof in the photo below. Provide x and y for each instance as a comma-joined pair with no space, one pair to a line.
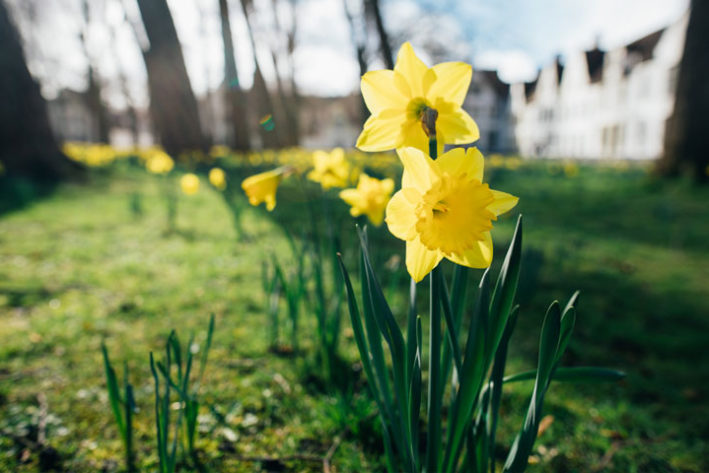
645,46
502,89
559,70
530,87
594,61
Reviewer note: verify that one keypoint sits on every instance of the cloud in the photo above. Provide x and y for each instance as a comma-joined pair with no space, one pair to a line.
513,65
323,70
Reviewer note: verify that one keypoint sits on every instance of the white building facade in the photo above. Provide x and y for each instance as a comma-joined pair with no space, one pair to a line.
601,104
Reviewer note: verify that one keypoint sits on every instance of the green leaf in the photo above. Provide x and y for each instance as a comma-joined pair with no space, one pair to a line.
548,343
498,371
505,290
451,329
471,376
435,383
589,374
114,395
458,297
568,320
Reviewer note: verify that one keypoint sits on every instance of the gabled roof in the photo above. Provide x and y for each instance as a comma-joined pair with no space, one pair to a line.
645,46
502,89
559,70
594,61
529,88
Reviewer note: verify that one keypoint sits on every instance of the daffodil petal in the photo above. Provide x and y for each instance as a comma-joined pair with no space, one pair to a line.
380,133
452,82
376,217
419,170
380,91
413,135
479,256
388,185
455,126
351,196
503,202
401,214
411,67
458,161
420,260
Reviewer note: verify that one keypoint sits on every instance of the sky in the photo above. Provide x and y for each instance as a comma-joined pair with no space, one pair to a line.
514,36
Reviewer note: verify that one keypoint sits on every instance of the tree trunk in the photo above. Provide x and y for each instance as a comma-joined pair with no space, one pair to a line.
372,6
359,46
287,109
237,110
268,130
686,137
27,144
97,107
173,105
94,103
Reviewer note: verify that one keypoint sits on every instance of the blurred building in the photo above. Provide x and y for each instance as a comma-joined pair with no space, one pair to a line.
330,121
488,102
71,119
601,104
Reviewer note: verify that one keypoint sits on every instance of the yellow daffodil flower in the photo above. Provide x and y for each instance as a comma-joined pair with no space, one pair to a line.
159,162
262,187
189,184
444,210
217,177
330,169
369,198
399,98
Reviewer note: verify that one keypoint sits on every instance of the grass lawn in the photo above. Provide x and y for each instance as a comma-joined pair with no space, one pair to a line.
81,267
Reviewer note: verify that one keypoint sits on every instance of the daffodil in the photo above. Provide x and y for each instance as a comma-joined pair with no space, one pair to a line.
159,162
444,210
330,169
369,198
262,187
398,100
217,177
189,183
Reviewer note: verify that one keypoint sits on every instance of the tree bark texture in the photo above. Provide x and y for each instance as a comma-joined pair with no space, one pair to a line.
237,110
173,105
686,136
27,144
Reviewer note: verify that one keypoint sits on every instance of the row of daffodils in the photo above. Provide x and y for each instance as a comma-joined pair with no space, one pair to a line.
442,210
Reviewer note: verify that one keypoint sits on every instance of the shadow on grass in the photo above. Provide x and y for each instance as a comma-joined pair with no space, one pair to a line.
656,335
17,193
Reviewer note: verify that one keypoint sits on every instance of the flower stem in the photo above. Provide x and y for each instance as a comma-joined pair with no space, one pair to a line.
435,383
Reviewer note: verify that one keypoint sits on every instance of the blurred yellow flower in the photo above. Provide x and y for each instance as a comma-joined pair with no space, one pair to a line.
159,162
369,198
217,177
571,169
399,98
219,151
330,169
496,160
444,210
262,187
189,183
